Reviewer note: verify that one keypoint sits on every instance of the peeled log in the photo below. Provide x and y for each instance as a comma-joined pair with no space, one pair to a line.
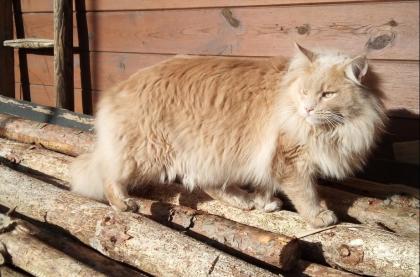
37,258
68,248
399,217
69,141
126,237
353,247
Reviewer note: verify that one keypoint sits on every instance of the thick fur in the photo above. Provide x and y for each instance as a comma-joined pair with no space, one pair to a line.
216,123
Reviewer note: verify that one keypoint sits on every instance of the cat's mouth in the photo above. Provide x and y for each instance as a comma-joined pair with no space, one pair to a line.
324,120
313,120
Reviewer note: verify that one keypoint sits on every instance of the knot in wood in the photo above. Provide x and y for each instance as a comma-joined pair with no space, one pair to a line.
351,255
227,14
344,251
304,29
381,41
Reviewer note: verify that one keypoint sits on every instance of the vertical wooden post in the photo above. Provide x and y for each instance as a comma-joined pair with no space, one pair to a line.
7,75
63,53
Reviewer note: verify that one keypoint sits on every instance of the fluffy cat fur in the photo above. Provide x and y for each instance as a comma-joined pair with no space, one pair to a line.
218,123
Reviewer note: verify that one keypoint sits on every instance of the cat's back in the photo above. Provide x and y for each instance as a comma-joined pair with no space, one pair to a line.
202,76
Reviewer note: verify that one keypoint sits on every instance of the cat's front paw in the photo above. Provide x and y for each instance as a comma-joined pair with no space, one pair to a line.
324,218
126,205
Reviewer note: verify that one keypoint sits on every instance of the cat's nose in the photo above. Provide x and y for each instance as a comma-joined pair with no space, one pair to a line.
309,109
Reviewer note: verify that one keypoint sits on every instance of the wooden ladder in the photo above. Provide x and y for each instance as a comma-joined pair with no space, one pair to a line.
62,44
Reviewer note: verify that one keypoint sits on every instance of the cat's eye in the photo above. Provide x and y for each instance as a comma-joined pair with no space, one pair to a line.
304,92
328,94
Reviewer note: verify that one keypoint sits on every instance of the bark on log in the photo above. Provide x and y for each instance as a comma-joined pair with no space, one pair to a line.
58,246
37,258
398,216
275,249
69,141
383,252
126,237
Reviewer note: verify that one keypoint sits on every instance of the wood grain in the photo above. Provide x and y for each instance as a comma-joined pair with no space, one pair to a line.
63,54
388,28
111,5
45,95
397,79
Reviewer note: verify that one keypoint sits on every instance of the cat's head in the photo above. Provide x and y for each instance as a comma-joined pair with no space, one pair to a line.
327,87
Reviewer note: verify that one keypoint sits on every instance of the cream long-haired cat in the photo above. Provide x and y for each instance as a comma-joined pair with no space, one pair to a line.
218,123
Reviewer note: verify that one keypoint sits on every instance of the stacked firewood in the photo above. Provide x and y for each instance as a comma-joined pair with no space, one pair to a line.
45,230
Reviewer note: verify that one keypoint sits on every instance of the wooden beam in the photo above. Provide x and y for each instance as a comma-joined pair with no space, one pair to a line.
7,79
63,53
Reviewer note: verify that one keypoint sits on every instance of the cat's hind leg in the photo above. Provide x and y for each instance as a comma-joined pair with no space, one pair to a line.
117,196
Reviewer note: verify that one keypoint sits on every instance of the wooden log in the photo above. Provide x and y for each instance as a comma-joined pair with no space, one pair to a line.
353,247
57,243
65,140
35,257
275,249
376,189
30,43
399,216
383,252
63,53
7,76
126,237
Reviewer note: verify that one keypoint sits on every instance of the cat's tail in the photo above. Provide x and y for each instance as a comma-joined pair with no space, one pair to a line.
86,178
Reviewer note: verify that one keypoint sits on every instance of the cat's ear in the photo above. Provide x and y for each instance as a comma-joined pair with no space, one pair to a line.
311,56
357,68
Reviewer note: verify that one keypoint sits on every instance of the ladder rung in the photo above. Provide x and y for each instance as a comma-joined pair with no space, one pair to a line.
31,43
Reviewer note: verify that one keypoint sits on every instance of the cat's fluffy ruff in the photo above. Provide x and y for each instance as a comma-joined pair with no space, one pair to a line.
215,123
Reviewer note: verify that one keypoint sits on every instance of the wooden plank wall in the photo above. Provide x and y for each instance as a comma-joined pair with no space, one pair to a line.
124,36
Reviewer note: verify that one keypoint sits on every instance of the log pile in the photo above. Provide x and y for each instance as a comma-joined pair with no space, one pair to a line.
178,233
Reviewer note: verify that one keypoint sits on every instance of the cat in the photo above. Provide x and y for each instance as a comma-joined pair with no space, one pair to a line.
217,123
